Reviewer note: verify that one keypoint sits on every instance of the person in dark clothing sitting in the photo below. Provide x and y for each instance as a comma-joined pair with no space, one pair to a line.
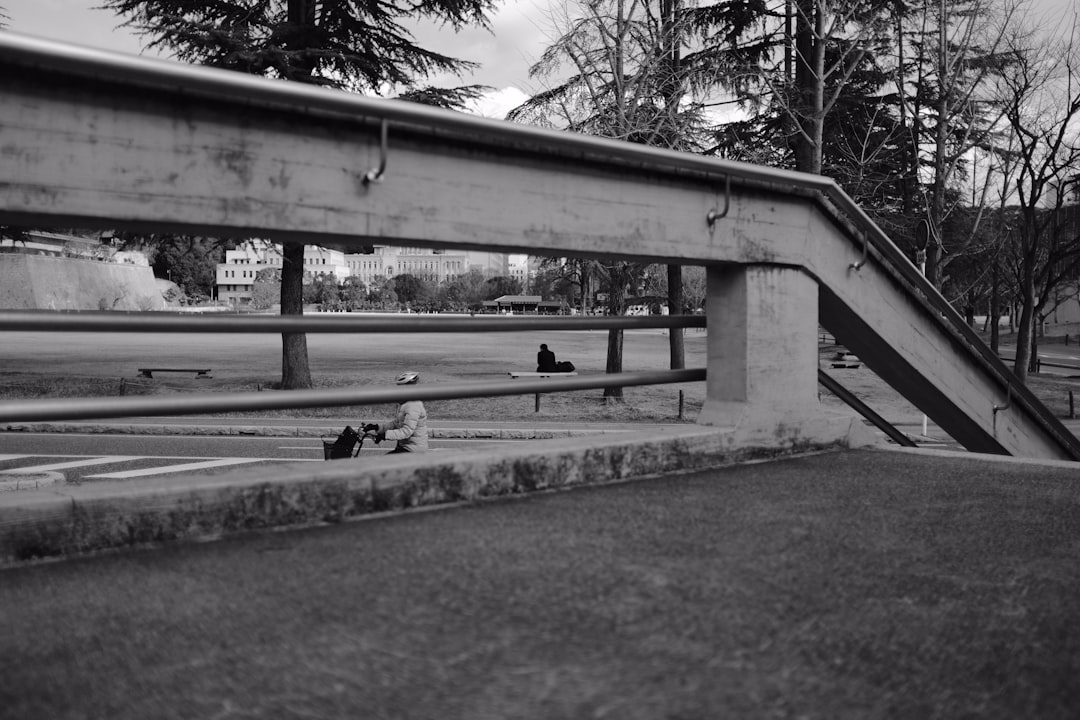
545,360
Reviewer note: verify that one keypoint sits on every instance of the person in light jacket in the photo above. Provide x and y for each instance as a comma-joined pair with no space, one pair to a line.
409,428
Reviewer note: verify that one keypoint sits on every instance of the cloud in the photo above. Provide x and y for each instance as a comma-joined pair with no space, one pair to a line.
79,22
504,54
497,103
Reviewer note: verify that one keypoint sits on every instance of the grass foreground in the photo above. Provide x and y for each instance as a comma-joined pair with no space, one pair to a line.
861,585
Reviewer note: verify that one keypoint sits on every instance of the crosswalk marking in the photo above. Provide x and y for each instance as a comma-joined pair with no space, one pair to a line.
84,462
222,462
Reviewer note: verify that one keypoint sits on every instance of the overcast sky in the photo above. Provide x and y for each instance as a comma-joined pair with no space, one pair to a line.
518,36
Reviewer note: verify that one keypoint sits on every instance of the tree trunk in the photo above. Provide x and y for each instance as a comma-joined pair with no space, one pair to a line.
1033,361
295,371
1025,327
910,155
616,306
675,307
941,136
810,88
614,363
995,309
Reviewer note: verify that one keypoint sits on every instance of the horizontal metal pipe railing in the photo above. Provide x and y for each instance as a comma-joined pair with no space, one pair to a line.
54,321
103,408
863,409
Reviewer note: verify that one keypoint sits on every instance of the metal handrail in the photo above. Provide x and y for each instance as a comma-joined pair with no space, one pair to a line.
135,322
101,408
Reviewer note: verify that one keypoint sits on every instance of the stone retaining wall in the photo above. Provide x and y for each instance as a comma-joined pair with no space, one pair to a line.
37,282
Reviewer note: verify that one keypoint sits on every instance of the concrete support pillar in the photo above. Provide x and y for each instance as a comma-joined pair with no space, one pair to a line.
763,355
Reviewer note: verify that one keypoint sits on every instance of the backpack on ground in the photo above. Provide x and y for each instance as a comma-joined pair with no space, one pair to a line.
564,366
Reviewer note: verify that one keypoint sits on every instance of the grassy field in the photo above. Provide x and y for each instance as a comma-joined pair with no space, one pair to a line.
46,364
38,364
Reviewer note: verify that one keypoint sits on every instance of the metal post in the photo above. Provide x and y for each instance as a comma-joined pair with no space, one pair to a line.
537,402
1072,406
681,404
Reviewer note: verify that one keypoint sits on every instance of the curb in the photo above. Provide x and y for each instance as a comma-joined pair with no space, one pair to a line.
304,431
75,519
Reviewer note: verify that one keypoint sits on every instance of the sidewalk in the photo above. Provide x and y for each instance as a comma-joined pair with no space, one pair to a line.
326,427
318,427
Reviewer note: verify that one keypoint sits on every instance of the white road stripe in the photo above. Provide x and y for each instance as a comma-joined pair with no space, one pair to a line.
73,464
162,470
14,457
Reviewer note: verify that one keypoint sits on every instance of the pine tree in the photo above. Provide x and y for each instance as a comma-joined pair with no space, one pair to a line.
344,44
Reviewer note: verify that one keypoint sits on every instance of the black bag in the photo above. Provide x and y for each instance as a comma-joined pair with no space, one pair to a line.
564,366
343,446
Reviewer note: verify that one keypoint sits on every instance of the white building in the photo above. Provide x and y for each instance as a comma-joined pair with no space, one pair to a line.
431,265
236,276
523,269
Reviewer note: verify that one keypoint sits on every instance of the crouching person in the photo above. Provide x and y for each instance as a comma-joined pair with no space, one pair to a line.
409,428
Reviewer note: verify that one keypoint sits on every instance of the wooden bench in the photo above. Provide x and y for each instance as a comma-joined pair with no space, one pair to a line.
149,372
522,373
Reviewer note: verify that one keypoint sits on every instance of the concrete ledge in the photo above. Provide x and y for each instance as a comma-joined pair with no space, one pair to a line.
76,519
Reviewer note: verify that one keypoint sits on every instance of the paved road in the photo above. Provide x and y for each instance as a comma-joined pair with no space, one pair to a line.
77,457
846,585
1056,359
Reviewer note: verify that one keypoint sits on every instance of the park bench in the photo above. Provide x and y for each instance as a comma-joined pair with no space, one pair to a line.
149,372
522,373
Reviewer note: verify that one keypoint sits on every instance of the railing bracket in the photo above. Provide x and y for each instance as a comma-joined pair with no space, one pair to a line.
1008,402
712,216
375,174
1002,408
856,266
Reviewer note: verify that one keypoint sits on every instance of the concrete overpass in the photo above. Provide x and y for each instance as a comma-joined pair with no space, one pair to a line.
97,139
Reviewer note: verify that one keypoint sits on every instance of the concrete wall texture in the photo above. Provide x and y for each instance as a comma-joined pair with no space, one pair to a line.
35,282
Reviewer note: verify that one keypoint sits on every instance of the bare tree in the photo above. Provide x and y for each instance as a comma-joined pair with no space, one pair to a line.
1040,96
345,44
634,76
957,51
620,54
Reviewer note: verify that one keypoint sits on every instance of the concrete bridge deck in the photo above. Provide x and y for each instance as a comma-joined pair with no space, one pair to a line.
847,584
